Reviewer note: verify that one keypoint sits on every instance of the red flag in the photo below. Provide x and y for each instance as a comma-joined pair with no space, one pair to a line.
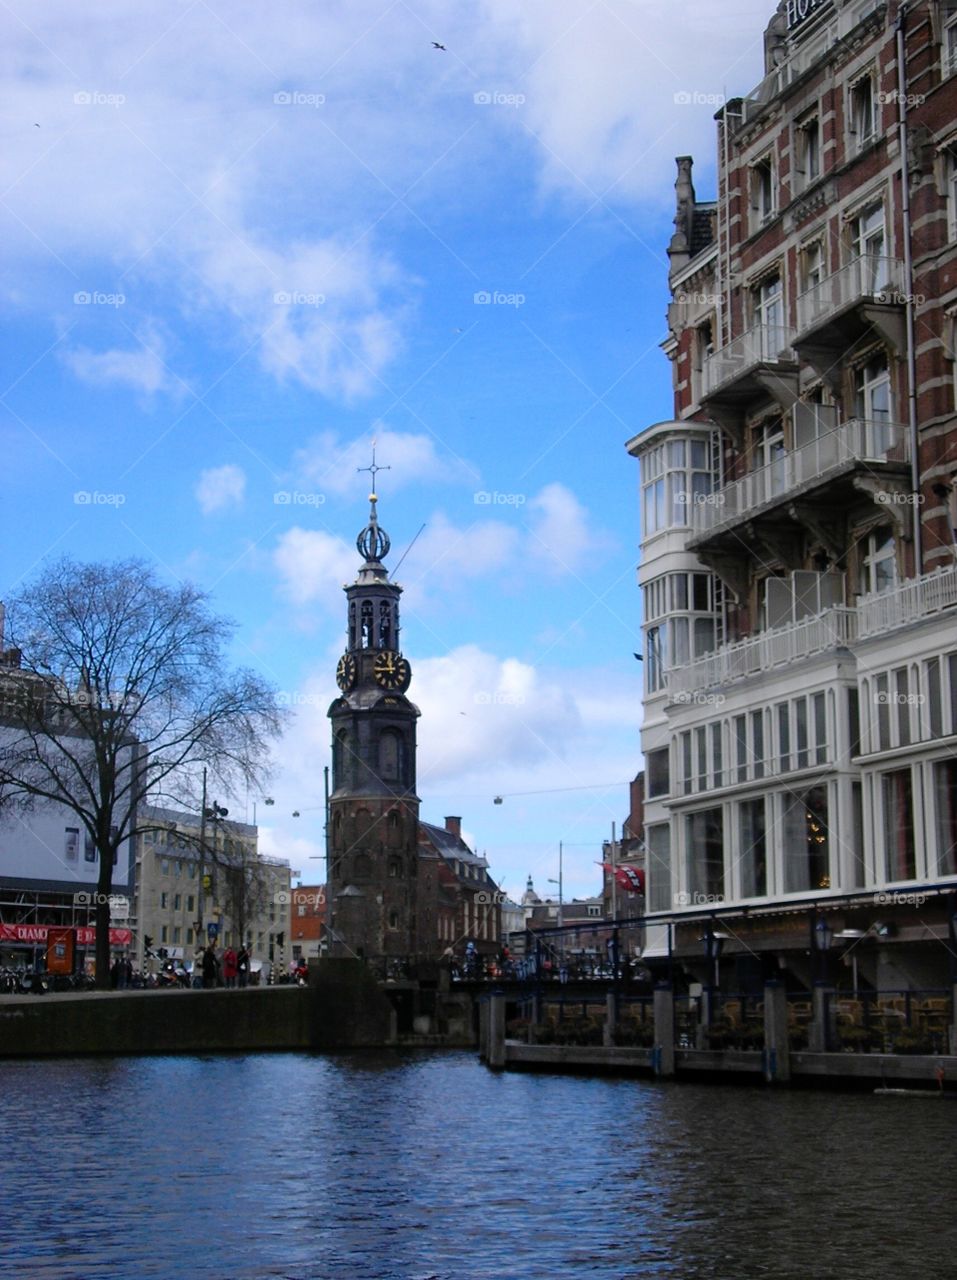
627,877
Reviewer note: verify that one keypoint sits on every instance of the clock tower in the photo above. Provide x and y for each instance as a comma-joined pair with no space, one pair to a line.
373,808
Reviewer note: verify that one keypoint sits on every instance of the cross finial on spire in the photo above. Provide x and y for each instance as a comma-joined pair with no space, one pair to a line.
374,470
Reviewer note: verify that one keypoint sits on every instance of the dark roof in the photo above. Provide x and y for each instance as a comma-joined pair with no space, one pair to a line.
701,227
451,846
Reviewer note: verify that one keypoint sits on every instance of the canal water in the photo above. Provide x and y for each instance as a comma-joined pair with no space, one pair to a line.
429,1167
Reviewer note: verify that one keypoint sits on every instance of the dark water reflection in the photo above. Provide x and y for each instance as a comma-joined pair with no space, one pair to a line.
355,1167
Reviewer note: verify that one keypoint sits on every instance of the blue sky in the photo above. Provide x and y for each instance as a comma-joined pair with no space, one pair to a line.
243,241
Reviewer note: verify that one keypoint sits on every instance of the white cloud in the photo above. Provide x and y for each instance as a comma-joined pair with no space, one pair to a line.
220,487
563,539
484,711
143,370
337,466
605,85
164,160
313,565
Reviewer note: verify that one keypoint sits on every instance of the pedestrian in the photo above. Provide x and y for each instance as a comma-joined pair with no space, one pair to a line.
128,971
230,967
210,968
242,965
115,973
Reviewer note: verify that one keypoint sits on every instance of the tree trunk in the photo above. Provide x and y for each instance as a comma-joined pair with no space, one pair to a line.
104,889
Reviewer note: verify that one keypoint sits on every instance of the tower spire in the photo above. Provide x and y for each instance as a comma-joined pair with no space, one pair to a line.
373,543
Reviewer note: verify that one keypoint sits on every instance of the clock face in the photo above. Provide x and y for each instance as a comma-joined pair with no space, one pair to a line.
346,672
391,670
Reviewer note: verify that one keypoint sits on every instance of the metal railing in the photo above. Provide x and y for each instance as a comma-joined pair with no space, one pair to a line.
916,598
764,344
831,629
869,278
859,441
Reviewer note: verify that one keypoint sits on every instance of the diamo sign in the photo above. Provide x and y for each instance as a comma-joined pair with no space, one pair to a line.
85,937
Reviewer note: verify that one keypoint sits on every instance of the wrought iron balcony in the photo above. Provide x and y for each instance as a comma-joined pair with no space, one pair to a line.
813,465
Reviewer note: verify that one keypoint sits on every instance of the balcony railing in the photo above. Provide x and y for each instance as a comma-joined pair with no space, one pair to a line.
859,441
865,279
831,629
764,344
916,598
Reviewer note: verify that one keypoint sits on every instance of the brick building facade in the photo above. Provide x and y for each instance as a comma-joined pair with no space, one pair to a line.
798,512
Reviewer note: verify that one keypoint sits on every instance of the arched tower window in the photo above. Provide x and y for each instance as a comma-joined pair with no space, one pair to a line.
395,868
353,636
337,830
362,866
385,625
393,830
367,620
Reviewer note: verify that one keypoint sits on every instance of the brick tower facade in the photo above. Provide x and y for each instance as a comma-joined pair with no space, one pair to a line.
373,807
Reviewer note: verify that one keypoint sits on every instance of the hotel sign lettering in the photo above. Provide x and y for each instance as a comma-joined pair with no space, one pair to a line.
796,11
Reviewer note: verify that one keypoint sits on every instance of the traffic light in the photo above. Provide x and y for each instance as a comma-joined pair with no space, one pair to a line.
147,942
281,939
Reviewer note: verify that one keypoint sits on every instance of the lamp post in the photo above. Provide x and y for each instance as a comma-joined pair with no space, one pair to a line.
561,900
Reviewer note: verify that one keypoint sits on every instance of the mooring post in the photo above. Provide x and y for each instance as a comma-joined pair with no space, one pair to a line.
496,1030
611,1019
664,1006
777,1050
483,1028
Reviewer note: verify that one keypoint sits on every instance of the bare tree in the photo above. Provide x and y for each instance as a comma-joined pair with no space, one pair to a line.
119,692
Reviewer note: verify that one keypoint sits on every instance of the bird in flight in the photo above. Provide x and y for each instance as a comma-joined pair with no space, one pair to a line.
436,45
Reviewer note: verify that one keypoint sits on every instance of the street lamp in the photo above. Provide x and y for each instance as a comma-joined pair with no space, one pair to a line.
713,946
821,937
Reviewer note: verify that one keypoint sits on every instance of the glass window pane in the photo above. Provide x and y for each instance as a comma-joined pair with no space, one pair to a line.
945,789
900,861
741,747
820,729
784,738
800,731
705,846
934,707
757,742
659,867
753,856
805,841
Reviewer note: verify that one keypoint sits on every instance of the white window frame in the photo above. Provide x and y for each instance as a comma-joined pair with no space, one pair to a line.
862,111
